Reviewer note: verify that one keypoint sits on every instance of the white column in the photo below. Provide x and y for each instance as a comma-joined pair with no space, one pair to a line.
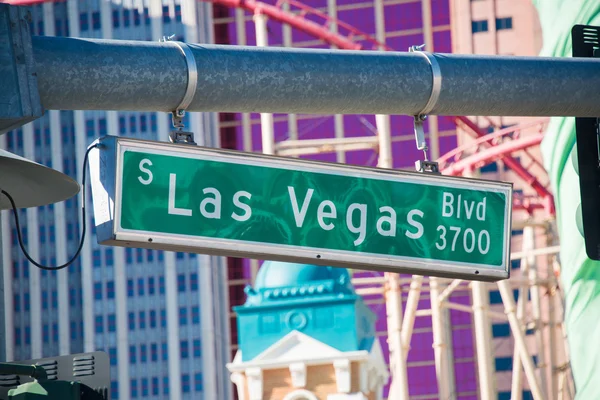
412,302
519,337
33,248
9,317
483,340
287,42
240,28
207,319
86,250
266,120
434,141
439,345
62,276
338,119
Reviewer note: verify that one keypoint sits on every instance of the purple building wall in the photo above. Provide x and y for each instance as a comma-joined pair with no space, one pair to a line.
405,20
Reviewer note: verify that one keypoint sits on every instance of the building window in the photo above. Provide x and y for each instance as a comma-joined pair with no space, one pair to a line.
143,123
42,234
139,255
17,336
504,364
99,324
163,318
129,255
46,333
96,20
194,282
153,352
96,258
500,330
110,289
165,351
73,330
142,319
479,26
153,123
109,256
196,315
131,319
180,256
98,290
26,302
116,19
165,385
140,286
166,17
112,355
44,300
144,387
130,290
504,23
102,127
197,348
161,284
114,389
181,283
132,355
155,386
151,286
132,124
143,353
134,388
183,316
136,17
126,18
184,349
150,255
17,303
55,332
185,383
84,24
198,381
152,318
112,323
122,127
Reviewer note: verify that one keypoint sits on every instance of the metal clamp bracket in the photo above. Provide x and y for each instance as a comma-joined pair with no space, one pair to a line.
436,87
180,136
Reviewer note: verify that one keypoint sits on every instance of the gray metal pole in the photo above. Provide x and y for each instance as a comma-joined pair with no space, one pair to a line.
88,74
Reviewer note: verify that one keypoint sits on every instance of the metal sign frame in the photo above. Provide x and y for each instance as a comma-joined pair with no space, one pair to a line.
106,170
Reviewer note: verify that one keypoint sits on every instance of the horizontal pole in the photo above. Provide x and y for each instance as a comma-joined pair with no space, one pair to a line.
93,74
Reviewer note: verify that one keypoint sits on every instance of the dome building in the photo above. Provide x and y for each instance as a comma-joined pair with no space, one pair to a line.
304,334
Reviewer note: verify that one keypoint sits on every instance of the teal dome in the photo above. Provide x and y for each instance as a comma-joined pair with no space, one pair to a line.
275,274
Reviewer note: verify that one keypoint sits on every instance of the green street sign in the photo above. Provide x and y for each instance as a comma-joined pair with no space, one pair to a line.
187,198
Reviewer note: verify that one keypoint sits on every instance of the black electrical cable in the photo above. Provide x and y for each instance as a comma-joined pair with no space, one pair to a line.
16,215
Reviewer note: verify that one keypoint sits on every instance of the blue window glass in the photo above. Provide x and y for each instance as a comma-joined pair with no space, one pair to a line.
165,385
139,253
140,283
143,123
102,126
83,21
132,355
153,123
96,20
180,256
25,269
26,302
46,333
151,288
144,387
44,300
185,383
163,318
479,26
165,351
184,349
27,335
152,318
154,352
195,315
112,355
504,23
40,28
142,319
52,234
109,257
70,231
154,386
122,126
198,381
178,12
15,269
17,336
194,282
72,297
17,303
134,388
181,283
37,137
133,124
150,255
73,330
58,28
114,390
166,17
126,18
112,323
98,290
161,284
116,18
42,234
99,324
96,258
55,299
197,348
129,255
183,320
136,17
47,136
130,291
504,364
131,319
55,332
501,330
143,353
110,289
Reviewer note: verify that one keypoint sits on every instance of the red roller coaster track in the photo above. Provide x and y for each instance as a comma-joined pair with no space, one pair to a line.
346,39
